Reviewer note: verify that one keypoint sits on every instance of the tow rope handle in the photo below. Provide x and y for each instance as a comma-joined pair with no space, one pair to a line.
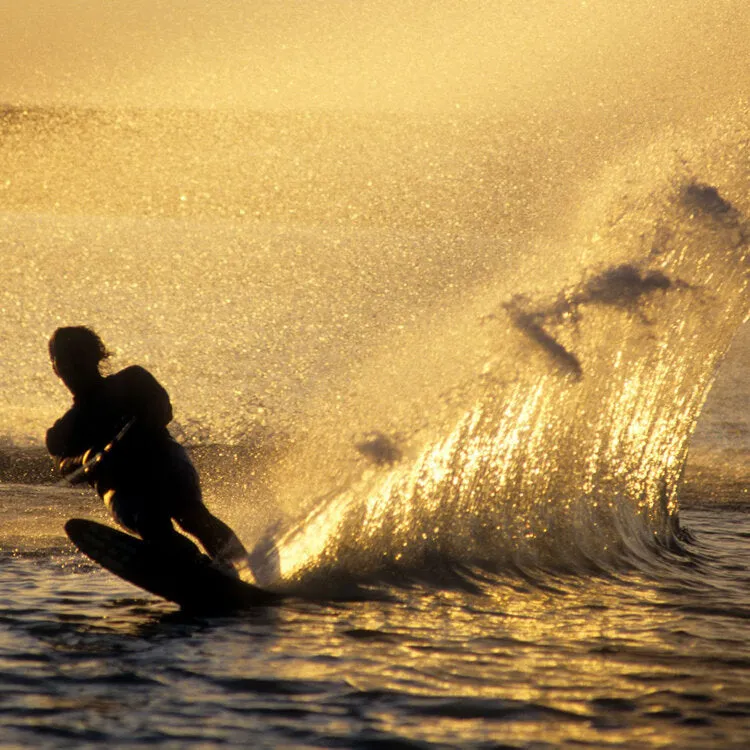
89,463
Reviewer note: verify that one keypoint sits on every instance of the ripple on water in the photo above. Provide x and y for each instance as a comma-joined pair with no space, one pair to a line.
646,658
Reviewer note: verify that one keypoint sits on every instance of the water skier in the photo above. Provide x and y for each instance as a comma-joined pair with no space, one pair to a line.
147,479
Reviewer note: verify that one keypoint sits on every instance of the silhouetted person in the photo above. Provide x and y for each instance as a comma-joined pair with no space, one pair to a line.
146,479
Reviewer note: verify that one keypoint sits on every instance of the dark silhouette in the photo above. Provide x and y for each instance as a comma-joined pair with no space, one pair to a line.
143,475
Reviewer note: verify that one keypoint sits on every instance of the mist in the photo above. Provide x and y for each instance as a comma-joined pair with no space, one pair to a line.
330,192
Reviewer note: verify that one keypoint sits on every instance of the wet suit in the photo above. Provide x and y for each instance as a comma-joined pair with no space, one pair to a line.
147,479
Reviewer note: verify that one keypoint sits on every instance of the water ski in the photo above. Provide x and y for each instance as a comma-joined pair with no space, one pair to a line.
190,581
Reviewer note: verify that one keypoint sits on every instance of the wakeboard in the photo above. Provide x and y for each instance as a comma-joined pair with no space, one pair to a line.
191,581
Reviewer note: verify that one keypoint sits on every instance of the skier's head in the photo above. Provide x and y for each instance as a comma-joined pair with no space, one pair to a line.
76,353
